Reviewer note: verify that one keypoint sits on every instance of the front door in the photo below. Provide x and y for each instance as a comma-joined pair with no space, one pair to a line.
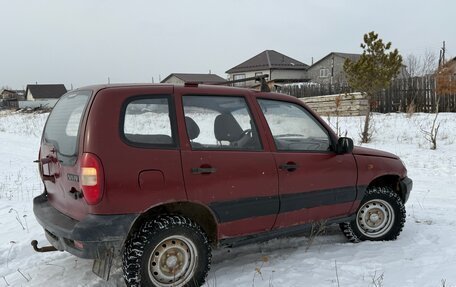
314,182
226,167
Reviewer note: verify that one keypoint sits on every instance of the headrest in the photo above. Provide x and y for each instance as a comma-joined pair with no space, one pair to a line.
192,128
226,128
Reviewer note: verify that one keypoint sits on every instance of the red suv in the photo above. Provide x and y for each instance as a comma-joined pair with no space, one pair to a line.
160,174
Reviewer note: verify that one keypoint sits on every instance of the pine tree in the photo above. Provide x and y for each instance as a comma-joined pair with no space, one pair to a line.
372,72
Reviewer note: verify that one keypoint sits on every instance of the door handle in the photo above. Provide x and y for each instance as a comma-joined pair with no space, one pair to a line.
50,178
45,160
203,170
289,166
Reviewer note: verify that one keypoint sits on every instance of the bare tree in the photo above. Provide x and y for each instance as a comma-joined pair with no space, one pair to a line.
431,134
413,64
429,63
418,66
444,77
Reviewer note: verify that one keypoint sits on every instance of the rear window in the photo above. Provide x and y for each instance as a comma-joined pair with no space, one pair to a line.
63,124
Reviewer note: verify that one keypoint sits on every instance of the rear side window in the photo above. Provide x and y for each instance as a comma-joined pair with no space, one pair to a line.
147,122
63,125
220,123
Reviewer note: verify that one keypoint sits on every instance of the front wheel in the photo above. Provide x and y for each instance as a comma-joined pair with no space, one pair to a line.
167,251
381,216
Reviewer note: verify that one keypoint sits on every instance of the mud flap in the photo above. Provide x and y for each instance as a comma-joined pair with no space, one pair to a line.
102,265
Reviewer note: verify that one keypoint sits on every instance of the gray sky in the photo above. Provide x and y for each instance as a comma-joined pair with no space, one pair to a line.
84,42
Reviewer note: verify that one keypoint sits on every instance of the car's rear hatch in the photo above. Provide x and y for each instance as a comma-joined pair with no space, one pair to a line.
60,152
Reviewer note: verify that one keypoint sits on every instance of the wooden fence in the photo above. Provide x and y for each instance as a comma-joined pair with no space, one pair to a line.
305,90
9,103
418,93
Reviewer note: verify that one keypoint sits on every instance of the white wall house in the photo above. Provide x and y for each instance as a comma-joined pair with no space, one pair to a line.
44,92
181,78
42,95
278,66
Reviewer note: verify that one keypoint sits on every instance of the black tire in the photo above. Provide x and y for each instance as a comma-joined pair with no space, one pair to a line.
167,251
380,216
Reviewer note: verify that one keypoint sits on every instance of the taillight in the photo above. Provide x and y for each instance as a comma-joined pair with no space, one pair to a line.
92,178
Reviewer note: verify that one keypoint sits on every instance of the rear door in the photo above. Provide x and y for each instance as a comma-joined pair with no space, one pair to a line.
226,165
133,131
314,182
59,153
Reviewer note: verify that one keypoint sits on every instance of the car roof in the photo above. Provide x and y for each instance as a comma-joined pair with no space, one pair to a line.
187,85
195,89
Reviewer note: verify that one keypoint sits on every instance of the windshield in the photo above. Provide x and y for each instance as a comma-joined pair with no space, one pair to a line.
62,127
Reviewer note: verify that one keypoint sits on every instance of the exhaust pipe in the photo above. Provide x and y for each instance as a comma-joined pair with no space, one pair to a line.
34,244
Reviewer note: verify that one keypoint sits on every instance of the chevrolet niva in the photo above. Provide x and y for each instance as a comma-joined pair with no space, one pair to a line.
158,175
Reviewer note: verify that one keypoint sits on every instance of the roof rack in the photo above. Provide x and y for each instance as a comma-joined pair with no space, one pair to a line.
262,79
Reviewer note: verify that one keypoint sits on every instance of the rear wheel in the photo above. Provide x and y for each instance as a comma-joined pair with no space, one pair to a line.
167,251
381,216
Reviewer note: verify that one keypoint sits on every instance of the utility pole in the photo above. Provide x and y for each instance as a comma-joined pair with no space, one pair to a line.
442,55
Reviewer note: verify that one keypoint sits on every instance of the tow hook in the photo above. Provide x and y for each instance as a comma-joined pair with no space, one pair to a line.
42,249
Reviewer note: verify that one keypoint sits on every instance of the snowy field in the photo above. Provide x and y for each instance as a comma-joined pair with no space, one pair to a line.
424,254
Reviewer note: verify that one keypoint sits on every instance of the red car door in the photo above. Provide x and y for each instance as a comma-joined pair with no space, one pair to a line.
226,166
315,183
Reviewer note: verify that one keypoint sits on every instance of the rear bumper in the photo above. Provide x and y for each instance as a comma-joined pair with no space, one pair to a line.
406,185
97,233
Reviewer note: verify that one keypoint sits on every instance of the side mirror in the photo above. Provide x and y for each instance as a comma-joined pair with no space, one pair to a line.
344,145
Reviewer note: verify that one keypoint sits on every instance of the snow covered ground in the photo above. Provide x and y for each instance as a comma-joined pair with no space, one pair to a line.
424,254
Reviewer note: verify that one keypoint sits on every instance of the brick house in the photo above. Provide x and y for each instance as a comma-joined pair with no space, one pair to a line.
446,78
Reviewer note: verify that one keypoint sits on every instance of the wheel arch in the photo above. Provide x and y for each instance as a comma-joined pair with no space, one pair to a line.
199,213
390,180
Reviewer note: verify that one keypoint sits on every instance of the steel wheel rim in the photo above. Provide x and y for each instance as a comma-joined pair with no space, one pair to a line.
375,218
173,261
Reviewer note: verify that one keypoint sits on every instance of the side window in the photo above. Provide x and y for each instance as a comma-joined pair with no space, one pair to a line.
293,128
220,123
147,122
